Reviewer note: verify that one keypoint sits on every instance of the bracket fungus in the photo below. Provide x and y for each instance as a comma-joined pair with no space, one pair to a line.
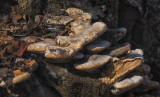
120,68
76,43
127,84
93,63
97,46
120,49
86,46
78,55
65,47
58,20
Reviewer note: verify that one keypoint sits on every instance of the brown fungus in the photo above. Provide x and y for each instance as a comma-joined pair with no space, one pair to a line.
75,43
79,14
93,62
69,34
120,50
135,53
58,20
78,55
81,22
120,68
126,84
97,46
141,70
31,39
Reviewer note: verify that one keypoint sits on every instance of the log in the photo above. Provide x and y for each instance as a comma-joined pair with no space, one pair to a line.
62,79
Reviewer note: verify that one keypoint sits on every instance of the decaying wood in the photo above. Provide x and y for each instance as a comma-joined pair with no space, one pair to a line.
77,56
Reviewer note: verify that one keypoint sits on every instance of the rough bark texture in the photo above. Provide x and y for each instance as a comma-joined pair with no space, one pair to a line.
140,27
73,83
109,14
143,28
65,81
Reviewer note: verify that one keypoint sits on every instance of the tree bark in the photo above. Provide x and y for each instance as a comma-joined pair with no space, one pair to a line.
63,80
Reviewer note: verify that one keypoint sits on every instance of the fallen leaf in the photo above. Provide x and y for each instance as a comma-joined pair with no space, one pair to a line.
19,47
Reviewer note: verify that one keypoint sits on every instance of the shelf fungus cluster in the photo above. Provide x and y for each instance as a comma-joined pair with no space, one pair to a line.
88,47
